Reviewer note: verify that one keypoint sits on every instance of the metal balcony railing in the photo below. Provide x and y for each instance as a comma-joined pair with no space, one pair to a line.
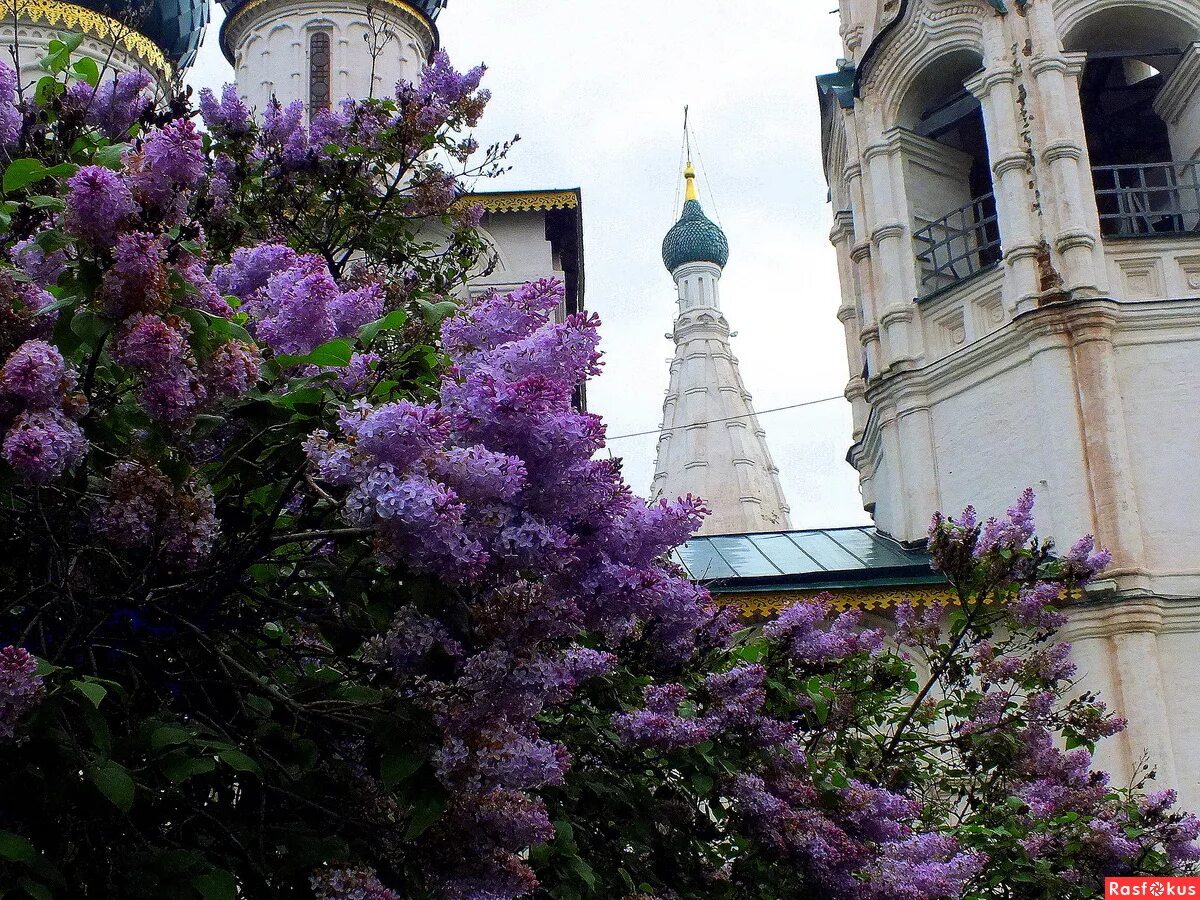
958,245
1148,199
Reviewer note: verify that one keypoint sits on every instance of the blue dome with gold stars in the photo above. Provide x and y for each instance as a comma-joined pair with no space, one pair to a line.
695,237
175,26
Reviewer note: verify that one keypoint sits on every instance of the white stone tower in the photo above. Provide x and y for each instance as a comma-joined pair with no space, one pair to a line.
1016,190
320,51
712,445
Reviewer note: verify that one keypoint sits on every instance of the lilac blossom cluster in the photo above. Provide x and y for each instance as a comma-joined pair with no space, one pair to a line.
21,688
38,413
446,488
293,299
113,106
11,120
142,509
350,884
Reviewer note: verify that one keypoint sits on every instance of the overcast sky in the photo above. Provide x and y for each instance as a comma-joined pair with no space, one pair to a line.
596,89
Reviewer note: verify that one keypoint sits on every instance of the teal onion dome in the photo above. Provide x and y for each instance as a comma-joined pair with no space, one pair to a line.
694,238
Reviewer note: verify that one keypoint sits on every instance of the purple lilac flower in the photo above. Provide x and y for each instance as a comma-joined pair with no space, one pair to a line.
659,725
923,867
292,312
413,636
137,281
1013,531
173,396
99,205
350,884
115,105
10,117
230,116
20,688
1034,606
352,310
143,509
151,344
37,374
1085,562
813,645
232,369
251,268
42,444
44,268
169,164
481,474
398,434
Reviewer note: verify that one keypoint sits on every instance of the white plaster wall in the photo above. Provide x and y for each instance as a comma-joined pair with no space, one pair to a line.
1162,409
270,45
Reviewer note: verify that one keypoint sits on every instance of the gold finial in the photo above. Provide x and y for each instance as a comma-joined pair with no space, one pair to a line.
689,173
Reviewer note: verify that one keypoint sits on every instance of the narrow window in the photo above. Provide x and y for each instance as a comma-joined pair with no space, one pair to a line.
318,72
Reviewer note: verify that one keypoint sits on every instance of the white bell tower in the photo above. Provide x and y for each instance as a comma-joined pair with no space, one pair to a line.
1016,190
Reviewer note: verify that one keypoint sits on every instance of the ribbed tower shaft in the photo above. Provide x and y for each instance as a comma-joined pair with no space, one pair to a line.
712,445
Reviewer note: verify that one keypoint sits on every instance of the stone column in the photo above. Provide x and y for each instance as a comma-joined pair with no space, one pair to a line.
860,251
1012,175
891,239
1065,184
1106,444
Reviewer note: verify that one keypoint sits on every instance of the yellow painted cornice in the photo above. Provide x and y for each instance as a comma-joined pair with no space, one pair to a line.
765,605
522,201
69,17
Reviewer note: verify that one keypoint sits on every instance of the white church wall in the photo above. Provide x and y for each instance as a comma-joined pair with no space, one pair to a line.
1158,379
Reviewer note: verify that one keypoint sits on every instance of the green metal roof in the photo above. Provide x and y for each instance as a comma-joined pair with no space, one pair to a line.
820,558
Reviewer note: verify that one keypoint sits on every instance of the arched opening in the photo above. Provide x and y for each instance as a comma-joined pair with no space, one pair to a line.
1144,162
948,175
319,77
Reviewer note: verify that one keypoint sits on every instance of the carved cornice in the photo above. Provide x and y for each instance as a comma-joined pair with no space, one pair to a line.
522,201
767,604
95,25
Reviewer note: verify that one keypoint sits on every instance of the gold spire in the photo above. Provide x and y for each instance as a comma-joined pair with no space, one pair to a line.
689,174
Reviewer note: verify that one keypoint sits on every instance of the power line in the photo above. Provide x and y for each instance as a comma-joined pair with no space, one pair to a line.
621,437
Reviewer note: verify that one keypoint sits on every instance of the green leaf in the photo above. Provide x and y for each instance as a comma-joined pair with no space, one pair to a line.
396,768
179,767
86,69
216,885
21,172
393,321
239,761
45,668
584,871
331,354
436,312
114,783
36,889
94,692
41,201
424,816
169,736
15,847
110,156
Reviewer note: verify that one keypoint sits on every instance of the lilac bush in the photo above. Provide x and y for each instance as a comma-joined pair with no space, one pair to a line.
316,583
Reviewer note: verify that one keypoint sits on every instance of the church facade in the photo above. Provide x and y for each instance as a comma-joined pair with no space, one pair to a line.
1017,223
